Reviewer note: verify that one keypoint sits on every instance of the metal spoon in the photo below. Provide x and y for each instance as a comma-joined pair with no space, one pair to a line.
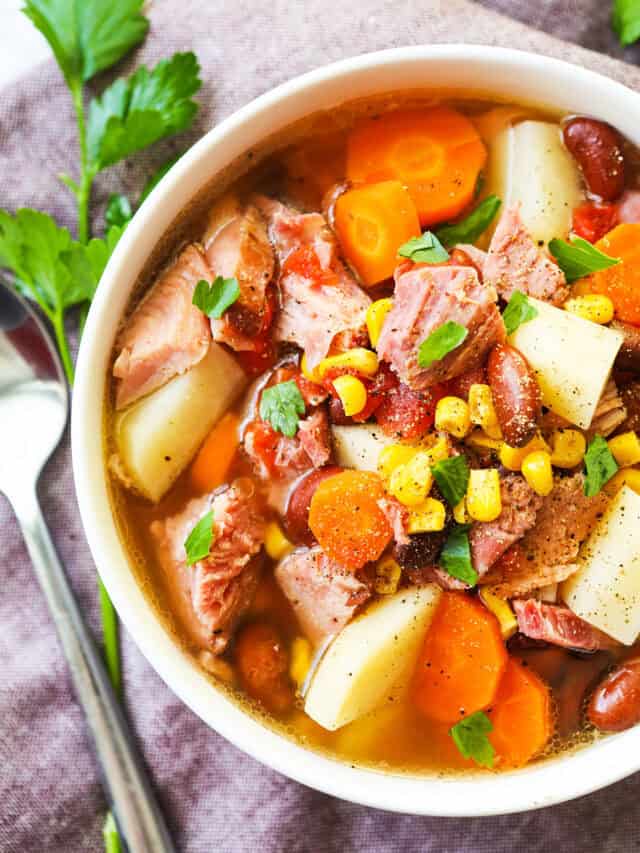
34,406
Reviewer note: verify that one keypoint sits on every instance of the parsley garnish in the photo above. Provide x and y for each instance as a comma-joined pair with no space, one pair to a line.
440,342
470,736
579,258
118,210
452,477
626,21
281,405
214,299
472,226
425,249
599,464
518,311
455,557
198,543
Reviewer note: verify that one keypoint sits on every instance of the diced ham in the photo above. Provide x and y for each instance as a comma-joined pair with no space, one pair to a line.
610,412
478,257
277,455
218,589
515,262
315,438
489,540
398,516
426,297
323,595
166,334
558,625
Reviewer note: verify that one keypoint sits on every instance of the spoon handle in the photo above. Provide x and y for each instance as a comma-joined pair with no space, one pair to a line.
134,804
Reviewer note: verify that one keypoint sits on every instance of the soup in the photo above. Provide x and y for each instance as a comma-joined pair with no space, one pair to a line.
373,434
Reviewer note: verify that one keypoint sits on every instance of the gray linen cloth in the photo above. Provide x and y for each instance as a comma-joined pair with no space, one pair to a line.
215,797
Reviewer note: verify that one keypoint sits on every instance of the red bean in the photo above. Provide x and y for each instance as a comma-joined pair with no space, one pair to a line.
516,394
296,520
615,703
597,148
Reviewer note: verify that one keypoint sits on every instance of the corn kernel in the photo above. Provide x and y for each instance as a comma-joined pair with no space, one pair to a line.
410,483
437,447
363,361
625,448
484,502
537,471
276,543
387,576
452,415
567,448
427,517
300,660
392,456
478,438
482,411
513,457
376,314
307,372
460,514
626,477
352,393
501,609
591,306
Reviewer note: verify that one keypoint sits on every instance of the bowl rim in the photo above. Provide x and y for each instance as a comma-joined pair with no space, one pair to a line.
558,780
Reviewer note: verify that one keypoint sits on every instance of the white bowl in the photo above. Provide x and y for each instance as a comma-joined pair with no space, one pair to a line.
485,71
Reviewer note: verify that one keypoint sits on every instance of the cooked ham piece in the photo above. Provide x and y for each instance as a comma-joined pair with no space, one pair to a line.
478,257
515,262
218,589
323,595
277,455
398,516
315,438
558,625
610,412
489,540
319,298
166,334
425,297
547,553
237,246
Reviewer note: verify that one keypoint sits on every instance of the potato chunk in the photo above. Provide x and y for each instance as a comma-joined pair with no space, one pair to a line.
359,446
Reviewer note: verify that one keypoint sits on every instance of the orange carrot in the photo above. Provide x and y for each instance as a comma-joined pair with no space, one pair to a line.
462,660
521,716
436,153
209,468
372,222
262,662
620,283
345,518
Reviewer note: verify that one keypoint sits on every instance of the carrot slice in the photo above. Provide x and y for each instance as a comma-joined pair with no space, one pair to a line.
521,716
209,468
345,518
437,153
462,660
621,283
372,222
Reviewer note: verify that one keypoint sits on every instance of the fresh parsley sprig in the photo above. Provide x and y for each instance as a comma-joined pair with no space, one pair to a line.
578,258
281,405
452,477
472,226
600,466
470,737
198,543
625,19
455,557
426,249
214,299
443,340
518,311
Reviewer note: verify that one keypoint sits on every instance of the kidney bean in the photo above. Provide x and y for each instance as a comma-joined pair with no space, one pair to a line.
296,519
516,394
615,703
597,148
262,662
628,357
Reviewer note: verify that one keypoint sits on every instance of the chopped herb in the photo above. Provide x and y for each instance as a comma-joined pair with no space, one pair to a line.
198,543
281,405
471,227
452,477
470,736
118,210
426,249
625,20
440,342
518,311
579,258
455,557
599,464
214,299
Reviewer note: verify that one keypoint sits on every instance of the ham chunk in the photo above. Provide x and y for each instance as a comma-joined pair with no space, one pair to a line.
558,625
490,540
610,412
277,455
166,334
323,595
217,590
515,262
426,297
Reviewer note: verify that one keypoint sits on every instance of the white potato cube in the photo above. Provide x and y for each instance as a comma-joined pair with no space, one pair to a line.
359,446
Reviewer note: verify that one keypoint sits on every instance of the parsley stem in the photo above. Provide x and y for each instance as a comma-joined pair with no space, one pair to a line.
83,193
57,321
110,638
110,835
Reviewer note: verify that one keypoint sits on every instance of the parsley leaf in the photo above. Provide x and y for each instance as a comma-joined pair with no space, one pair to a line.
88,36
471,227
440,342
470,736
118,210
425,249
518,311
137,111
214,299
280,405
625,20
599,464
579,258
455,557
452,477
198,543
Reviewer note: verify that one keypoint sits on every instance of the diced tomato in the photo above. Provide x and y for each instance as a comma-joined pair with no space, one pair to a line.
407,414
312,393
377,389
256,362
305,262
459,387
592,221
265,443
